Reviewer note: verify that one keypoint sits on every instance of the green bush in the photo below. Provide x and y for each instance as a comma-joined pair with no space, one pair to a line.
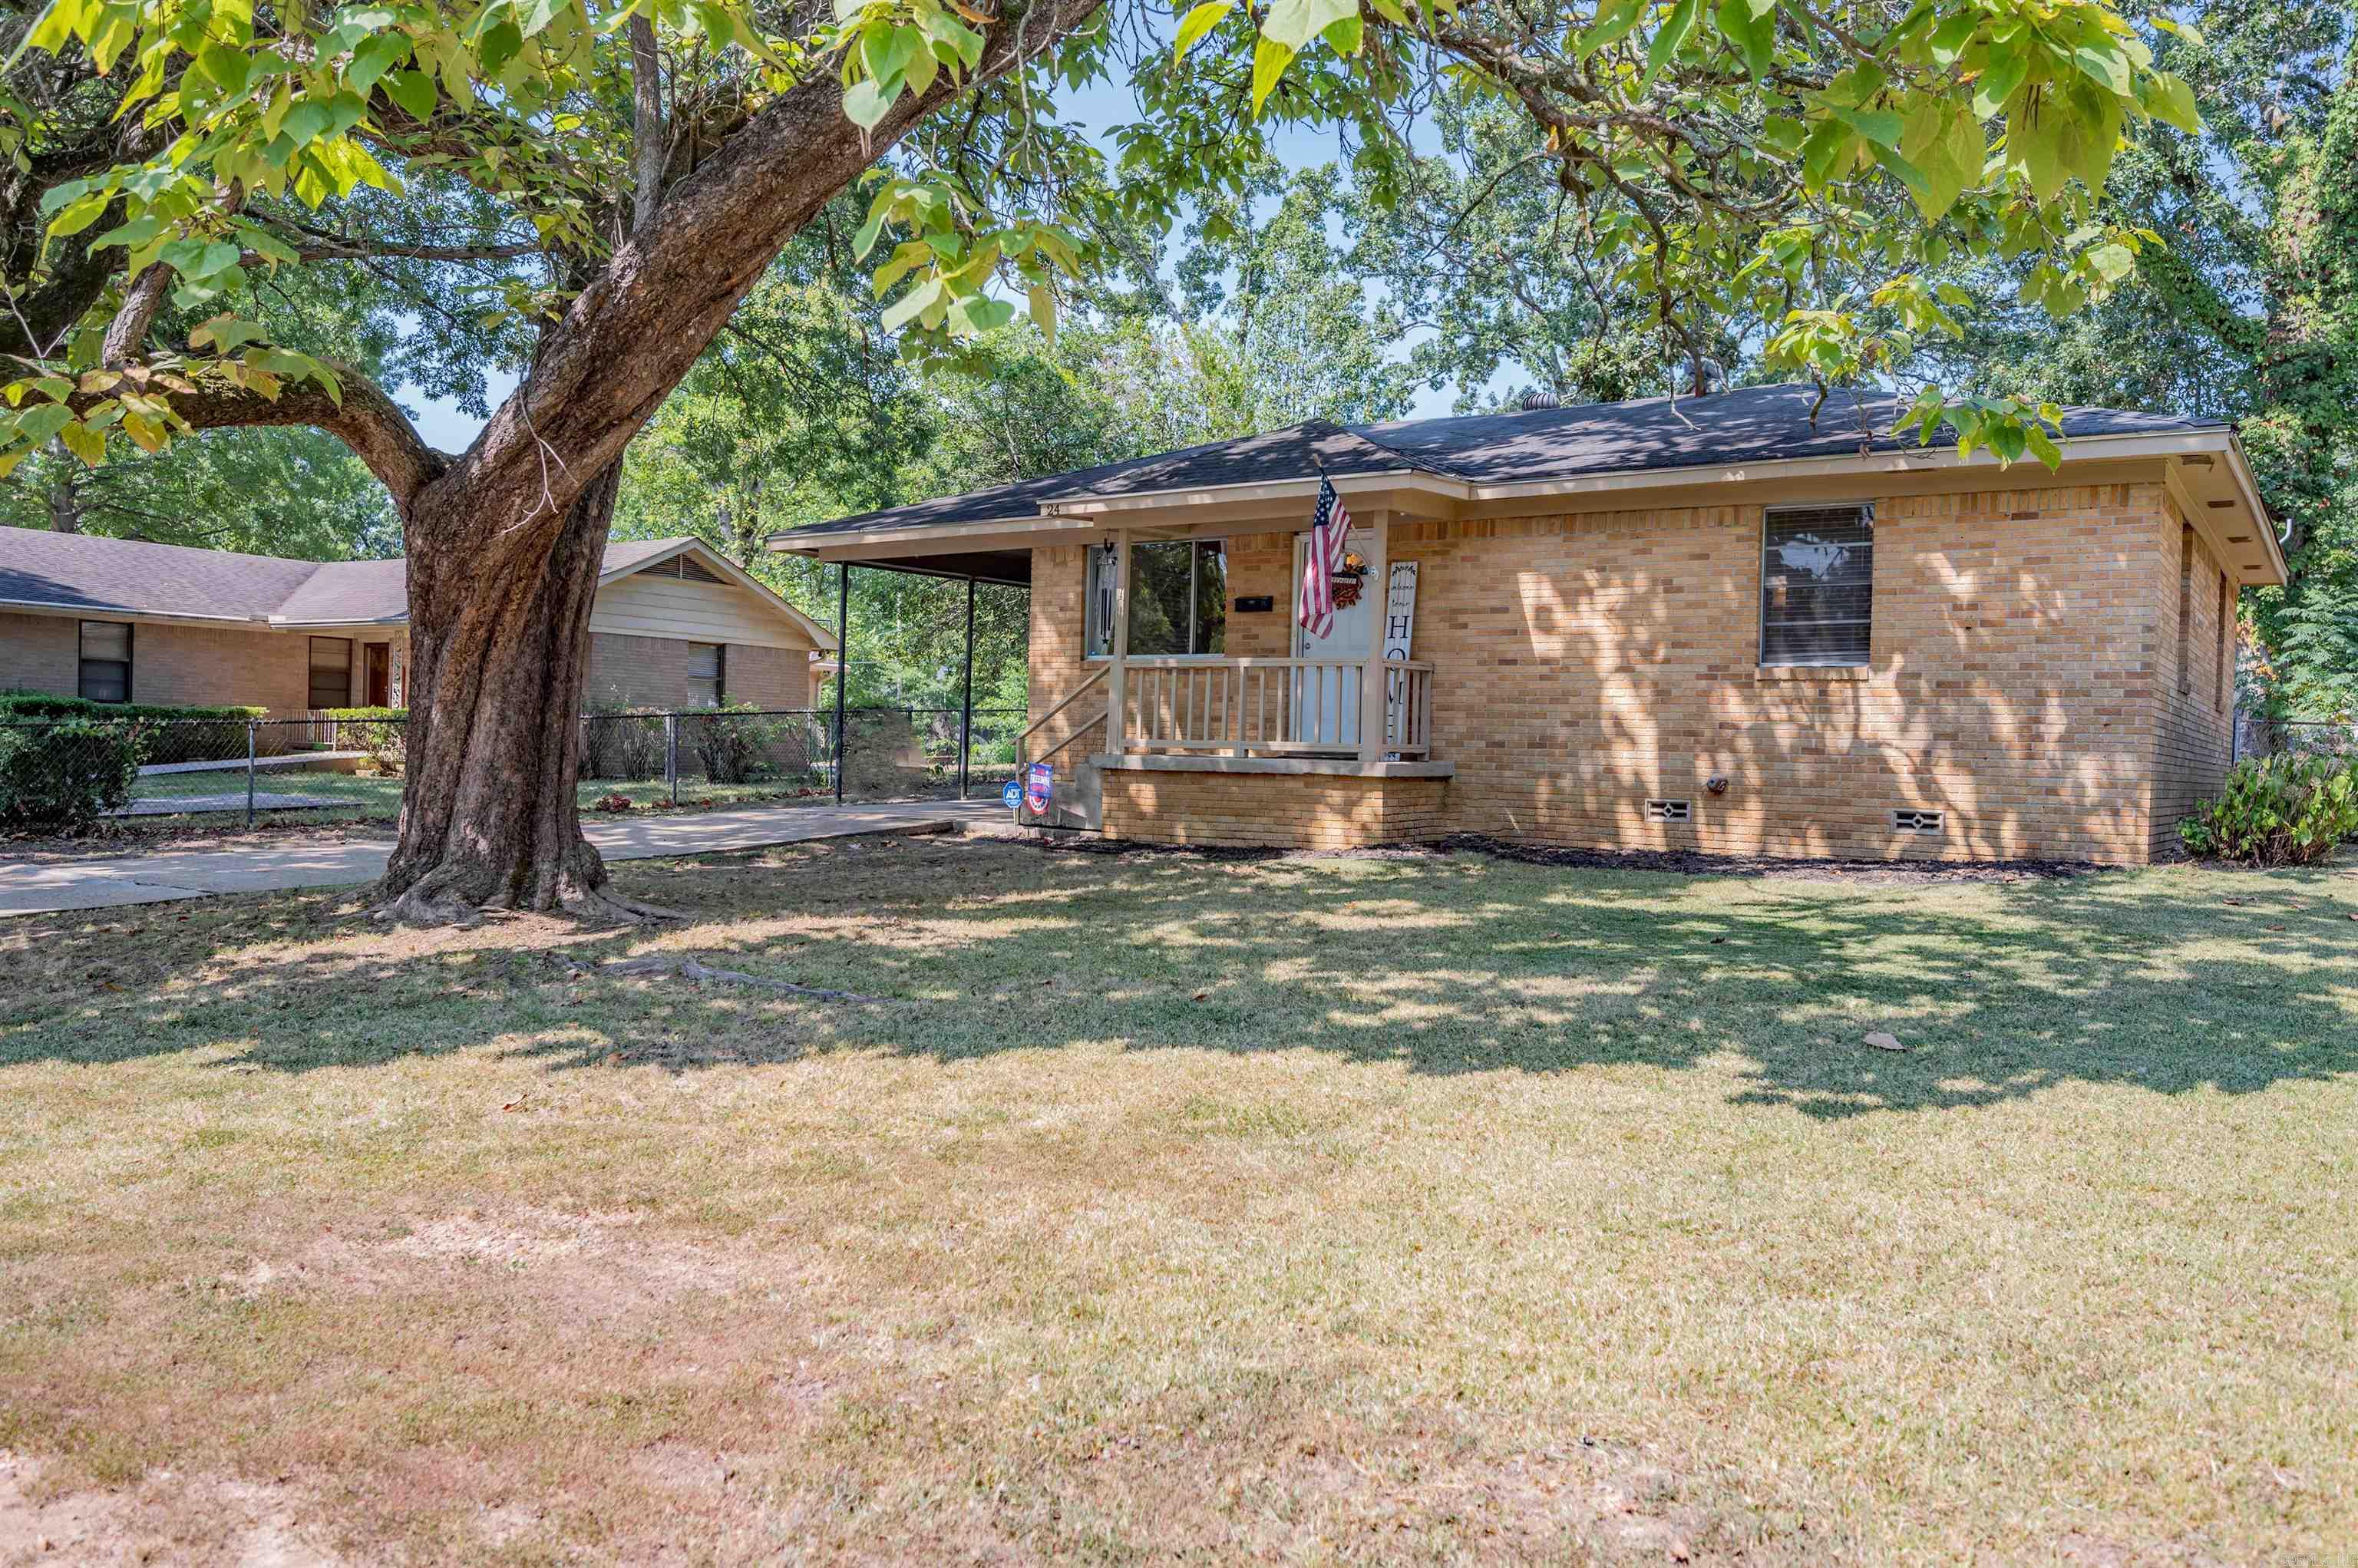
382,732
734,742
622,743
47,705
2277,811
165,733
67,773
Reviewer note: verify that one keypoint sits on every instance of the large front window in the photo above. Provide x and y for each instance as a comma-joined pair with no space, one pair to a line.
1817,585
1178,597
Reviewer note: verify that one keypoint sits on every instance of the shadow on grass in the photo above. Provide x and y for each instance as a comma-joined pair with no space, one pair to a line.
2170,981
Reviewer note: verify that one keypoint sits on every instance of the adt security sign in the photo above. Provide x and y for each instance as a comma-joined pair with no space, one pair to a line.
1012,796
1039,787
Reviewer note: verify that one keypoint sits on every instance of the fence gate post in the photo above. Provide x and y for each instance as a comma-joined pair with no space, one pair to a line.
250,727
671,754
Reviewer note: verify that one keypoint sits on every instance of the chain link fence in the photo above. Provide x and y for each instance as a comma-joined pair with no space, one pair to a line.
2259,736
69,773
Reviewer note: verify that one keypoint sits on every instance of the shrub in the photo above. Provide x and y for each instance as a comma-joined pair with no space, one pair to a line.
382,732
165,733
734,742
2277,811
67,773
622,743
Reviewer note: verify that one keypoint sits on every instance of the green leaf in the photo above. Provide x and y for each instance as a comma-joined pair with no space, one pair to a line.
1294,23
1674,30
78,216
1754,36
1999,80
867,102
2170,101
1880,126
1270,60
85,443
1613,20
1044,312
2112,262
43,420
2107,65
1345,35
226,66
1197,22
2042,446
906,308
414,90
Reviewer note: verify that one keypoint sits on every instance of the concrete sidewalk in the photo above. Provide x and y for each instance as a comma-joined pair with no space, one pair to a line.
162,875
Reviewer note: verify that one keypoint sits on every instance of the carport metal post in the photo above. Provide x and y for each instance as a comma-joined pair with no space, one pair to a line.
842,666
249,773
965,702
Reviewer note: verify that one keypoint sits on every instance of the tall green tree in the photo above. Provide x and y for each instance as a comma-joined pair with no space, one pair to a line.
2249,313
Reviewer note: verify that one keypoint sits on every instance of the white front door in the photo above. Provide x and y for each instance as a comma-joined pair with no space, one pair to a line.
1327,702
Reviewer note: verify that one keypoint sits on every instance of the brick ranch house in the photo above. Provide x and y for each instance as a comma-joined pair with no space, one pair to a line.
1739,623
675,625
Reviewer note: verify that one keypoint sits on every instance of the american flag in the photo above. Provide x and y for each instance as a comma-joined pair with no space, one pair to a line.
1330,531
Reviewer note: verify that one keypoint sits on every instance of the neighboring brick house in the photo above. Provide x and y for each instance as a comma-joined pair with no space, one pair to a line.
1736,623
675,625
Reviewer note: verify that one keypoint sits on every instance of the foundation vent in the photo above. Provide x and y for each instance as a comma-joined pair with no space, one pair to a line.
1669,811
1908,820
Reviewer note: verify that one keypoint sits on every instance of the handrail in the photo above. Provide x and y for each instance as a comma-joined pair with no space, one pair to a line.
1094,677
1023,758
1215,662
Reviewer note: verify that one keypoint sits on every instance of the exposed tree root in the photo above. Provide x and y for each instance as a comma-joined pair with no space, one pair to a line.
603,903
687,966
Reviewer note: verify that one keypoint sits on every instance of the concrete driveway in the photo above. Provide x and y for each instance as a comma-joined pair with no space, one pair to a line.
161,875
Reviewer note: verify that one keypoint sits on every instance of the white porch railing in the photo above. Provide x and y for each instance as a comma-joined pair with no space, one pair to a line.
1272,707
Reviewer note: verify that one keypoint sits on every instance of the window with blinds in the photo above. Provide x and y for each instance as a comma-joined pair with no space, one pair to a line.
1817,585
707,668
331,672
106,662
1178,597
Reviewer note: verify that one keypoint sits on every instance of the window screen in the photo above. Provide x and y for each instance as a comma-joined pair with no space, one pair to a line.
1817,581
704,667
1178,597
331,672
105,661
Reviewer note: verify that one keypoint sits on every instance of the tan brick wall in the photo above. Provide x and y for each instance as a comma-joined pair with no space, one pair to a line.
1585,664
39,652
198,665
1289,810
768,678
2198,695
1059,591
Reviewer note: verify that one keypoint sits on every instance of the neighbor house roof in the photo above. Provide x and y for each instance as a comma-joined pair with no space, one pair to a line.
51,571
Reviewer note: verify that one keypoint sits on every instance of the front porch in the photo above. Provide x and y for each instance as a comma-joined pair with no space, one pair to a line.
1176,694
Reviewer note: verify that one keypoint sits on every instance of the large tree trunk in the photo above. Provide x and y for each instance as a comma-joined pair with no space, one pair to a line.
498,638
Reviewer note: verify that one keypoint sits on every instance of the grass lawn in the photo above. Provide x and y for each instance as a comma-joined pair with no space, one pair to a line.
1333,1209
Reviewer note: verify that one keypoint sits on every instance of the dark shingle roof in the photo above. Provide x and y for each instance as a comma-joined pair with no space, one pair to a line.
84,571
1757,424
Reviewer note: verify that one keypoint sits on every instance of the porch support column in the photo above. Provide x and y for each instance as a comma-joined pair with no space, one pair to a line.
1371,672
1116,695
966,696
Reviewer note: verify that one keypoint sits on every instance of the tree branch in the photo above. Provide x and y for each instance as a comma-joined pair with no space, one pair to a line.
631,335
367,420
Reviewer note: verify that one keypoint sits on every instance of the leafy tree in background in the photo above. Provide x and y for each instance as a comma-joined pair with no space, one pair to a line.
1756,161
2250,313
